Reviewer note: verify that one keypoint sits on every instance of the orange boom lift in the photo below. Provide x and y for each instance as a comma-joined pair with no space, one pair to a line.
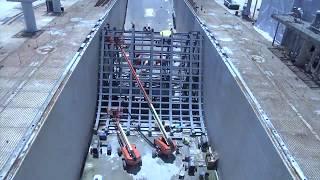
164,144
131,155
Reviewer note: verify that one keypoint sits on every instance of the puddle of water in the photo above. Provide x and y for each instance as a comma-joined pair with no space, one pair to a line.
227,26
57,32
227,50
76,19
226,39
149,12
161,170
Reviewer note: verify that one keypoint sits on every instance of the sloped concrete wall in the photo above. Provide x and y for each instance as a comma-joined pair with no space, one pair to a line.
245,149
59,151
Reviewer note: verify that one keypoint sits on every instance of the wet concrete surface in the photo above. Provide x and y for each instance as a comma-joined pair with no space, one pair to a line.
156,14
159,168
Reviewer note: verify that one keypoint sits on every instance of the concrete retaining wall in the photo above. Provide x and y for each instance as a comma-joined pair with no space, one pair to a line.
246,151
61,146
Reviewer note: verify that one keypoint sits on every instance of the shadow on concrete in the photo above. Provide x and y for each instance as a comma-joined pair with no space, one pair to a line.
133,169
168,159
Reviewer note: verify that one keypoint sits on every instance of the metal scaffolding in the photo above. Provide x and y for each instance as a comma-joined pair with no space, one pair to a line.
170,68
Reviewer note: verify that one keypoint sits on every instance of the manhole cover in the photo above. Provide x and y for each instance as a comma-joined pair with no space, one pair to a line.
257,58
45,49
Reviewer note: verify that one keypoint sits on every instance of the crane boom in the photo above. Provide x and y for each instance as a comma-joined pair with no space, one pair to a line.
123,138
146,96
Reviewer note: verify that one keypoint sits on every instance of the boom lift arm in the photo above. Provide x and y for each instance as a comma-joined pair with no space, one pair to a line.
131,156
165,144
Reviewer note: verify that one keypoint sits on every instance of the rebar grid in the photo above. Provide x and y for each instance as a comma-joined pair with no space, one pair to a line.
170,69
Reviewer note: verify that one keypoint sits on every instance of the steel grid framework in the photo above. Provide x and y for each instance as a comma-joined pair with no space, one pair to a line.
170,68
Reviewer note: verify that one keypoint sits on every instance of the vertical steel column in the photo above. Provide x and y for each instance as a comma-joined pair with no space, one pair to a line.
182,74
29,18
247,11
56,6
275,34
200,82
132,56
170,82
171,71
110,72
120,74
161,77
101,71
151,62
191,58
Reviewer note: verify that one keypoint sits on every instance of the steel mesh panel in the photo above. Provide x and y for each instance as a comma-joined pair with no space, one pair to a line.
170,69
305,151
10,137
39,85
48,73
17,117
27,99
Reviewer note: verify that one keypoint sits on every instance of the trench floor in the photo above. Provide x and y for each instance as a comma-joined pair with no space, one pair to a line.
158,168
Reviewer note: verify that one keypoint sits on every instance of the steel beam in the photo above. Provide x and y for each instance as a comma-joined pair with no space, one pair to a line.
29,18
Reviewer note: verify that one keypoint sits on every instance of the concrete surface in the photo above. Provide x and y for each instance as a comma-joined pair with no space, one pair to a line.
158,168
239,77
233,125
156,14
12,22
290,105
31,77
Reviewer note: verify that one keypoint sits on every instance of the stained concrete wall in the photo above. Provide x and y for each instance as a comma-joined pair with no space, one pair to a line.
245,149
268,24
61,146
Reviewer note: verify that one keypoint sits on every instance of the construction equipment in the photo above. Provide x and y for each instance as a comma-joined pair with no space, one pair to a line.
203,143
109,149
192,168
95,149
230,4
212,159
164,144
131,156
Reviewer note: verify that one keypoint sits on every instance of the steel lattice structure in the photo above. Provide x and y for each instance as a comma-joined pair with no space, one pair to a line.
170,68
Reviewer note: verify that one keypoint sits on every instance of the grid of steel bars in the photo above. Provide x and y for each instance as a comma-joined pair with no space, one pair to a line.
170,68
